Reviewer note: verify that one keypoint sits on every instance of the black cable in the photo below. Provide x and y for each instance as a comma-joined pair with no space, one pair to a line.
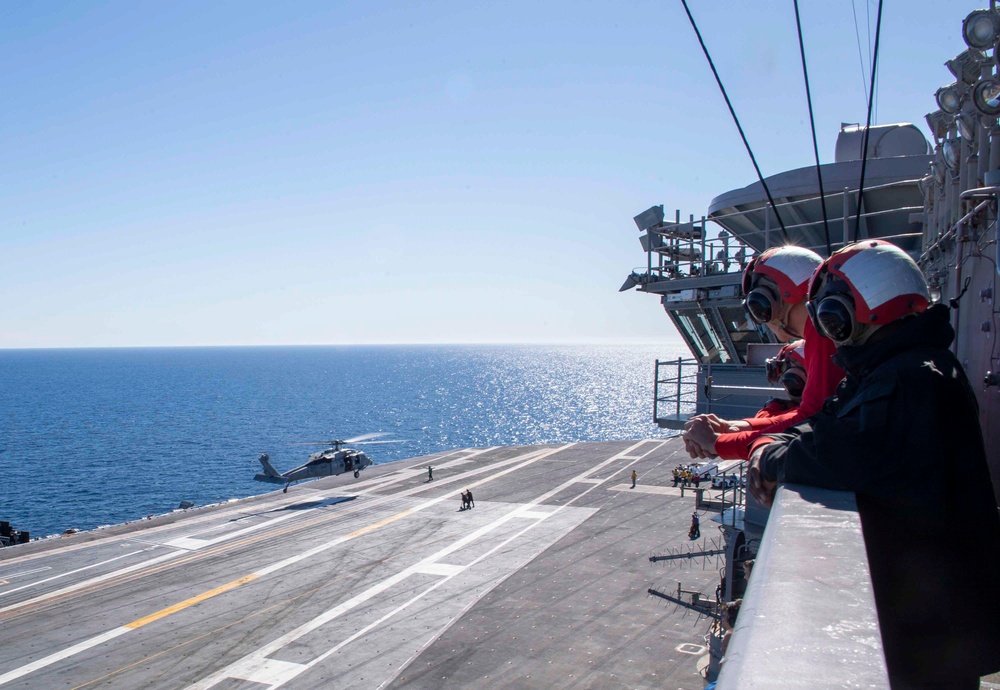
953,302
784,233
868,124
857,35
812,123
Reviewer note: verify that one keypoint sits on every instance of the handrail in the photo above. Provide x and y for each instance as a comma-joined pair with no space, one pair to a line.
808,614
738,497
678,398
683,253
838,193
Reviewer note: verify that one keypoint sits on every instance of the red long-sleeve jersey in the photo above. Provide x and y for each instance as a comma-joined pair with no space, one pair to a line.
774,407
822,378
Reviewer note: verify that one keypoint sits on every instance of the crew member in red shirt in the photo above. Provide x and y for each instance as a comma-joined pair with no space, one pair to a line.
775,285
787,368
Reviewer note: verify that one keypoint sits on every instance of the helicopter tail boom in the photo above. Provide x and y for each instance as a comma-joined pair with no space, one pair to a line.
270,475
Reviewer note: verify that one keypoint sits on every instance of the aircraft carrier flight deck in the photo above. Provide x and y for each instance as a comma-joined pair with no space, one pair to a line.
381,581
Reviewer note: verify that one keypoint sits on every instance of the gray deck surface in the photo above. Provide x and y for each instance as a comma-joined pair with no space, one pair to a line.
378,582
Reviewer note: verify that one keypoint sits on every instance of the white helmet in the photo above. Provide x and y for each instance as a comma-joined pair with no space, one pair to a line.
861,288
789,269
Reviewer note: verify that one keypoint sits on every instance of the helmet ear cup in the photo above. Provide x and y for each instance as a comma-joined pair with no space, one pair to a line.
794,382
761,304
834,318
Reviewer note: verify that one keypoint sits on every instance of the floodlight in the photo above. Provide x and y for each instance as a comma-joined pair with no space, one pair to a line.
949,98
939,123
966,122
980,29
937,170
951,150
968,66
649,218
651,241
630,282
986,97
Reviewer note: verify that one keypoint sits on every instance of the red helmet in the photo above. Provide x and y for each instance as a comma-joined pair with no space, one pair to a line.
865,284
794,351
788,368
789,267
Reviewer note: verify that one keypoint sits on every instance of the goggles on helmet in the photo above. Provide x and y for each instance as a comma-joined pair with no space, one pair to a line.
761,304
787,372
832,311
793,381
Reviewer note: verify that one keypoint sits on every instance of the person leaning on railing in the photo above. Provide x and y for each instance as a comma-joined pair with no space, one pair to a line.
904,413
774,287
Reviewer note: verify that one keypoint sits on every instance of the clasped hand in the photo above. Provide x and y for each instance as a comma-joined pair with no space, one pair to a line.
700,434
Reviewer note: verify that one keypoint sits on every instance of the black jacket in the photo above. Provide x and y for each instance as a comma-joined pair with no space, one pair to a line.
903,433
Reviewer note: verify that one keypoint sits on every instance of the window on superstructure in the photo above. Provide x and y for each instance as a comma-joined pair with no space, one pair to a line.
692,337
723,354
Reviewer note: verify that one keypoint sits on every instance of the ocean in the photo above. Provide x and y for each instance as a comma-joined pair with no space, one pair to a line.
92,437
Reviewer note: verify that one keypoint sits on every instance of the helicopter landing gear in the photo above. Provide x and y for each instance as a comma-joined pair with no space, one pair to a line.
285,490
357,474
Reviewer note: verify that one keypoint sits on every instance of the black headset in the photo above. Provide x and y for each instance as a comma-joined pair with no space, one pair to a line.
794,382
786,372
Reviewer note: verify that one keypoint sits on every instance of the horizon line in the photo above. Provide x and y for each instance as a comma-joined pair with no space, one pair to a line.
547,343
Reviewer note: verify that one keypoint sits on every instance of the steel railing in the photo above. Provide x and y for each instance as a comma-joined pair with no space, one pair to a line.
684,250
675,387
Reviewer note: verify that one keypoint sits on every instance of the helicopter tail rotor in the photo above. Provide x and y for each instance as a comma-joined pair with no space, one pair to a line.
269,470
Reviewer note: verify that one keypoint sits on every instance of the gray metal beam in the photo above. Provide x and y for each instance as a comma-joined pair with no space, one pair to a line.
678,284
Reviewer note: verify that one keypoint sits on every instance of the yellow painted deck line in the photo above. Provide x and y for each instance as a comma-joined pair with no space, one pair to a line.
518,463
381,523
163,613
187,603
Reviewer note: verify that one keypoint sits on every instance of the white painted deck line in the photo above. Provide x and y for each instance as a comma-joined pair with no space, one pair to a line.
92,581
191,543
66,574
12,576
408,472
62,654
536,514
663,490
443,569
272,672
239,668
527,459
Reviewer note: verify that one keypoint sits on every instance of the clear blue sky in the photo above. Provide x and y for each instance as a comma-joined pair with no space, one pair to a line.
227,173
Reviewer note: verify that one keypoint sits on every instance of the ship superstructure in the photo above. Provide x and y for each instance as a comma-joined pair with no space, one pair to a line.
937,200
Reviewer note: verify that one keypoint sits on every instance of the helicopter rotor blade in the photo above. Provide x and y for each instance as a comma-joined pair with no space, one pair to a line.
317,443
372,443
365,437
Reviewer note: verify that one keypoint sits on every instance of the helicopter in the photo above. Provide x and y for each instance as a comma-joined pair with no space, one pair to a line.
325,463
